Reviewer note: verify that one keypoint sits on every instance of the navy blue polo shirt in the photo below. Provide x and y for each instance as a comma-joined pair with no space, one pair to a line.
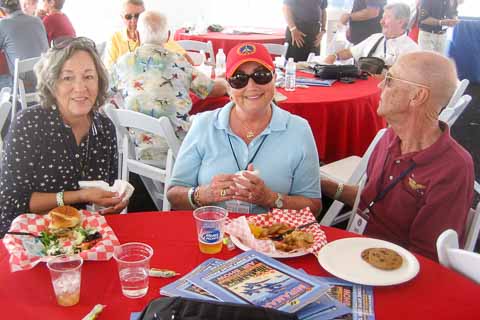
306,11
438,9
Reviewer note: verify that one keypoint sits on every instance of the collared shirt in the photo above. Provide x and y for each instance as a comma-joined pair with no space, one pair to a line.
287,160
157,82
436,195
438,9
306,11
22,37
41,155
388,49
57,26
120,44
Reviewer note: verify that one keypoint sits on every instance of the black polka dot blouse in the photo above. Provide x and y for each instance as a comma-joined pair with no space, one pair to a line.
41,155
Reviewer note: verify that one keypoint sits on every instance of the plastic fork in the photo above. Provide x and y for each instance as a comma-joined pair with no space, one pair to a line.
281,236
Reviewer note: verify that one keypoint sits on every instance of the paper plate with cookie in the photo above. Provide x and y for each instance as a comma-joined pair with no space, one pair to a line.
368,261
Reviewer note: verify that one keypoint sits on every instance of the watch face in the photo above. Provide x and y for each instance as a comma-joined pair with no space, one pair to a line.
279,201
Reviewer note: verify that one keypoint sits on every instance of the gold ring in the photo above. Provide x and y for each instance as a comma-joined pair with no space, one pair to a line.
223,192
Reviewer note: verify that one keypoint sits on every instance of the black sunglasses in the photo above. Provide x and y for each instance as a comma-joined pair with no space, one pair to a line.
64,42
130,16
240,80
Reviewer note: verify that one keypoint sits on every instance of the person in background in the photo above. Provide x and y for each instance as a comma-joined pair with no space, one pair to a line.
56,23
436,16
157,82
63,140
389,44
128,40
22,37
364,19
306,26
250,133
419,179
29,6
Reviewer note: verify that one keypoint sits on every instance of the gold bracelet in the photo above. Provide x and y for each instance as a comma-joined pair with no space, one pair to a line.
196,197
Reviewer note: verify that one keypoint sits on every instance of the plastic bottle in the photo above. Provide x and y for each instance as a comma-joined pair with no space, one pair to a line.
220,64
290,75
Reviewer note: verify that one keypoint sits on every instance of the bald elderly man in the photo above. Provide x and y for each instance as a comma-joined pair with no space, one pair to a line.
430,173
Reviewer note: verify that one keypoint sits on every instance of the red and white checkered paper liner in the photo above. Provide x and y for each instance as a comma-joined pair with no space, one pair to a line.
34,223
294,218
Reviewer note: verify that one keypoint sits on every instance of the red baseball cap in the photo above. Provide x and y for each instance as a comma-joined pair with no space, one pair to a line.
245,52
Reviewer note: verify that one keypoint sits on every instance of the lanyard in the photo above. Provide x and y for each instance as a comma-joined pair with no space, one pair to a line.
385,47
254,155
392,184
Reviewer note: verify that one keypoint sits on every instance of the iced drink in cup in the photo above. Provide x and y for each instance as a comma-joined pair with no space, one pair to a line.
210,221
133,261
66,272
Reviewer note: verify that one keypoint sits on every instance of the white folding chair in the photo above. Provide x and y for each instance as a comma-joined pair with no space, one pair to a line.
5,107
101,48
18,90
276,49
462,261
350,171
126,119
5,94
193,46
450,114
472,228
458,93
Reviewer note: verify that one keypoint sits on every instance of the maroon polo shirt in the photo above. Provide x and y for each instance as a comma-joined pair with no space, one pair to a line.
436,195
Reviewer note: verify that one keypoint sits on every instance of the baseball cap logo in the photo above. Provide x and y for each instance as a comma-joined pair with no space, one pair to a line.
246,49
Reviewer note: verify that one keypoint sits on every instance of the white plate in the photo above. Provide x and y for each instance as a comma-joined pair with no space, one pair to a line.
277,255
342,258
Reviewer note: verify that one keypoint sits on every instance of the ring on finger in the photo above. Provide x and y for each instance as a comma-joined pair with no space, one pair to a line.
223,192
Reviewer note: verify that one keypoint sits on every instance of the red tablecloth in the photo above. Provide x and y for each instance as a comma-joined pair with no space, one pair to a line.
436,292
343,117
228,41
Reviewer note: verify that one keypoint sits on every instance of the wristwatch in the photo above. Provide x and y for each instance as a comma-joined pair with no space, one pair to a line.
279,201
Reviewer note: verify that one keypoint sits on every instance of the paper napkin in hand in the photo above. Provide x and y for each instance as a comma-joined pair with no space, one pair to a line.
120,186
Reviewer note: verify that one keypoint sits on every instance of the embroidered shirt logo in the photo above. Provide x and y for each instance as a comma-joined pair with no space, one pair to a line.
247,49
415,185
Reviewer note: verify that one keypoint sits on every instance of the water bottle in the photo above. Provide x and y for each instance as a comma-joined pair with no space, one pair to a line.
290,71
220,66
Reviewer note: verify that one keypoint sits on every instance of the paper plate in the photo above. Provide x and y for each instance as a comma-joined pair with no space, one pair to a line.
342,258
278,255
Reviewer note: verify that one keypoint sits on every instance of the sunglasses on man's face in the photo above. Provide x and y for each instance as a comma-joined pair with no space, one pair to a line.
240,79
62,43
130,16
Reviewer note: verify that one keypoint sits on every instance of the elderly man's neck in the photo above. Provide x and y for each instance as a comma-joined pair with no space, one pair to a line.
394,35
416,133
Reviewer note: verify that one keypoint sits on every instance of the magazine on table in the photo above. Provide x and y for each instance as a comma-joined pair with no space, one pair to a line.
254,278
184,288
325,308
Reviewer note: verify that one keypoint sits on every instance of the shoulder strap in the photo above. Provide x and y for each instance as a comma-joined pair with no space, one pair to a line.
375,46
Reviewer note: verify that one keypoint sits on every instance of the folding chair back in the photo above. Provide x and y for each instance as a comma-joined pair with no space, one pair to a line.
472,228
458,93
5,107
127,119
193,46
276,49
18,91
450,114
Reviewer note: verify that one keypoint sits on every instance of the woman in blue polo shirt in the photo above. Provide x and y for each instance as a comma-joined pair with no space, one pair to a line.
251,133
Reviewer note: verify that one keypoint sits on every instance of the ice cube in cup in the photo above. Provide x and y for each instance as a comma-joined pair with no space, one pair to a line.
66,272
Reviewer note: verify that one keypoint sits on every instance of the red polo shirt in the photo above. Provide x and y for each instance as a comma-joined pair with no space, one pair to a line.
58,25
436,195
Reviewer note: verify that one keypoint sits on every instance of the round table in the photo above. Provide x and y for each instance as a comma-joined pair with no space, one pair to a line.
343,117
227,41
435,293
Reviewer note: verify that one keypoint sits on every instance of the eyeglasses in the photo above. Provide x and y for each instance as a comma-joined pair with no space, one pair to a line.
240,80
130,16
64,42
388,81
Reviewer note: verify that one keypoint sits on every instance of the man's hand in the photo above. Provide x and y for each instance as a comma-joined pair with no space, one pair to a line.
449,22
330,59
298,38
344,18
318,38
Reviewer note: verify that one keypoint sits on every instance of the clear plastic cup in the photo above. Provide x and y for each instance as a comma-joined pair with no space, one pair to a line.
66,273
133,261
210,221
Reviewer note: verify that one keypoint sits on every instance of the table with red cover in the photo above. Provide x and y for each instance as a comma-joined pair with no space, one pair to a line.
227,41
435,293
343,117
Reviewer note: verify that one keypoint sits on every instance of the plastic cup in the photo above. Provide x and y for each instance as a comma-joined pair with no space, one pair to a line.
66,274
133,261
210,221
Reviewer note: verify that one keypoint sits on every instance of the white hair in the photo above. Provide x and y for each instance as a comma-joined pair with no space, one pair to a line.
152,27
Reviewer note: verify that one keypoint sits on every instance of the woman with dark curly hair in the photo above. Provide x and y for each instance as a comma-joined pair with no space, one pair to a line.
64,140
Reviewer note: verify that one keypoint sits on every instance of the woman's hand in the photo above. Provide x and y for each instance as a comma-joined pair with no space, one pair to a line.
218,190
112,201
252,189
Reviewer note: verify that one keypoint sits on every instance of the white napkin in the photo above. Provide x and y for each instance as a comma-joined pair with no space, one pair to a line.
119,186
241,175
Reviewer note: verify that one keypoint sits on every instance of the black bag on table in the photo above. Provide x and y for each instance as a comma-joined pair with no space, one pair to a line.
372,65
179,308
335,72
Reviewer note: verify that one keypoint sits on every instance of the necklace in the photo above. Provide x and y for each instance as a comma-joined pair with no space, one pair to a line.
250,133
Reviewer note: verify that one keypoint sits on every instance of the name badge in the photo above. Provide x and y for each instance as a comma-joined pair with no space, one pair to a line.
238,206
359,222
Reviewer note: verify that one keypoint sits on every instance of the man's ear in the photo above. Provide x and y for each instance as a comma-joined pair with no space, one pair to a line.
421,97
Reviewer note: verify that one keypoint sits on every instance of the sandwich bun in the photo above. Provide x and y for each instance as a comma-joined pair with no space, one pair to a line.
64,217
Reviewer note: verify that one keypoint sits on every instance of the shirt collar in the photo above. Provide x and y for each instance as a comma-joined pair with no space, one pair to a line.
97,124
277,123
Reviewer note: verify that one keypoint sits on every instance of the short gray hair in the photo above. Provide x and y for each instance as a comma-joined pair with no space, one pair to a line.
48,69
152,27
400,11
134,2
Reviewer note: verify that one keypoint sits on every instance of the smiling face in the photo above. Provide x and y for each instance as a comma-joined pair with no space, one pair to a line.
76,89
130,10
253,97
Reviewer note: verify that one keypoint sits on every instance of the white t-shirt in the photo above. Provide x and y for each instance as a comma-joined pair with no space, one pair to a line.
388,49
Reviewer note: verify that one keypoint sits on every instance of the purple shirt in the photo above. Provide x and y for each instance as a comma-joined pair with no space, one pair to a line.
436,195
